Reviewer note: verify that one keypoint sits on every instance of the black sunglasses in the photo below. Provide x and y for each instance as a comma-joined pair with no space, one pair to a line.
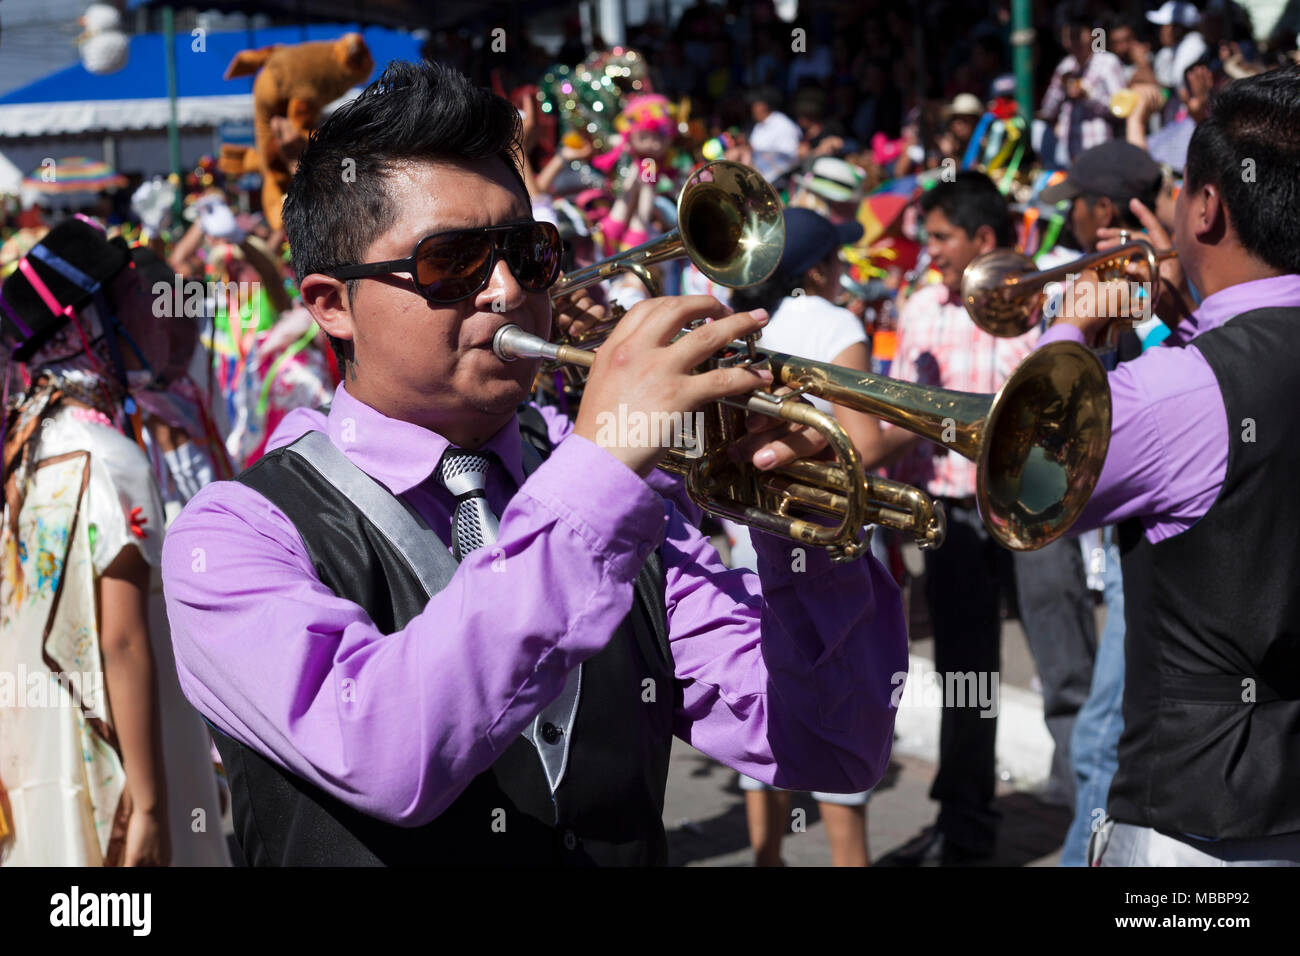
450,266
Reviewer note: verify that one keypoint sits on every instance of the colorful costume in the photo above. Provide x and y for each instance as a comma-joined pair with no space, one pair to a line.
77,492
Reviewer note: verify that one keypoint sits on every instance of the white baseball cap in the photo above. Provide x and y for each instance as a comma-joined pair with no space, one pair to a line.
965,104
1175,11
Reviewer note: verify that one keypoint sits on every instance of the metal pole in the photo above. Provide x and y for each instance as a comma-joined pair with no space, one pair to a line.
173,128
613,22
584,19
1022,52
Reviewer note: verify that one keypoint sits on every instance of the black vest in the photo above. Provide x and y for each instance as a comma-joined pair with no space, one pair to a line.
1211,742
607,810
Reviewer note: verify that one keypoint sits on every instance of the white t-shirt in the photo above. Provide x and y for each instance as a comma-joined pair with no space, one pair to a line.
775,142
1172,62
811,327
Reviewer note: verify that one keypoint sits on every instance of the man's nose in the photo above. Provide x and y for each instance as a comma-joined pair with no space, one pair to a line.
503,293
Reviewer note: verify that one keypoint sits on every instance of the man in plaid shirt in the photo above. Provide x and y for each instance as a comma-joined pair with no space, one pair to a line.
939,345
1078,98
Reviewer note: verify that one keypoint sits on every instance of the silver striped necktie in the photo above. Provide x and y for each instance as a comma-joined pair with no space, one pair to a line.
473,525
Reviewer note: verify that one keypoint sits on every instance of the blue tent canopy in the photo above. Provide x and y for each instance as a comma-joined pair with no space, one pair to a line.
74,100
397,13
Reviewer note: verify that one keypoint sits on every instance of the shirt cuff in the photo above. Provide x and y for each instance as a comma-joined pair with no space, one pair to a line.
1061,332
783,560
606,503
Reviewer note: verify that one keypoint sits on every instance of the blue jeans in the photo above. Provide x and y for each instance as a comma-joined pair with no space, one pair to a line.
1094,746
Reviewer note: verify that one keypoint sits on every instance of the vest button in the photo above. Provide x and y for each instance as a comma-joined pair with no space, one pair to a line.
570,840
550,733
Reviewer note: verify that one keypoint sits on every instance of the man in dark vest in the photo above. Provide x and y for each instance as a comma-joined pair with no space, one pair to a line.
443,627
1201,478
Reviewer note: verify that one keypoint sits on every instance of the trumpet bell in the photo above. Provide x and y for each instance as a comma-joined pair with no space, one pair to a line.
1038,444
994,298
1043,445
731,224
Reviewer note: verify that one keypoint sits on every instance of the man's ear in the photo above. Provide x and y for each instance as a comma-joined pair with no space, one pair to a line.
986,240
327,300
1208,213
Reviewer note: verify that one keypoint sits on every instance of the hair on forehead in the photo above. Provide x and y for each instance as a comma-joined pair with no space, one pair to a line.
339,201
968,201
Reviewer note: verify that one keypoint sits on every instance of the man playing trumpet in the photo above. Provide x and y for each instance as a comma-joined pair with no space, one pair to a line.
447,628
1200,477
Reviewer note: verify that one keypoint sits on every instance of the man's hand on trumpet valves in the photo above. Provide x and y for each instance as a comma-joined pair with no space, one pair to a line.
1175,295
771,442
578,312
1091,304
640,370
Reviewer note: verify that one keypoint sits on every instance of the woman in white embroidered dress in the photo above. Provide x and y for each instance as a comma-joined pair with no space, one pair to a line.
89,719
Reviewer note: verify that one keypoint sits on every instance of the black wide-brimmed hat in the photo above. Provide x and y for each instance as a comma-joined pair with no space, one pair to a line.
74,244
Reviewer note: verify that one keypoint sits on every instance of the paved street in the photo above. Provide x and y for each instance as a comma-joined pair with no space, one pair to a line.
705,817
704,810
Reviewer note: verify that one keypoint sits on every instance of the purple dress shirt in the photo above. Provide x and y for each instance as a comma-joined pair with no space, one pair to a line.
1170,431
789,681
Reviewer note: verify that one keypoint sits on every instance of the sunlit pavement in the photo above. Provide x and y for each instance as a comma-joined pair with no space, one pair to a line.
704,811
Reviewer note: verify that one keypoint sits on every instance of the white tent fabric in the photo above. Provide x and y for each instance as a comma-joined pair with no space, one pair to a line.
48,119
11,177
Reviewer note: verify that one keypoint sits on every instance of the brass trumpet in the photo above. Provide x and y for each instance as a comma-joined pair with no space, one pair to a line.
1039,445
1005,295
729,224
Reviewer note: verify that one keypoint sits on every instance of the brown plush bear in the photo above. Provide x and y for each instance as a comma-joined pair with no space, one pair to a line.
294,83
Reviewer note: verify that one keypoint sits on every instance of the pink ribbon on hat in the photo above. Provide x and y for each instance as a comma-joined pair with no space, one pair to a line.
53,304
885,150
92,222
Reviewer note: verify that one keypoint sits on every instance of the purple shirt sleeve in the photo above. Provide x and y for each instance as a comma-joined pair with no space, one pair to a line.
787,674
665,484
1169,438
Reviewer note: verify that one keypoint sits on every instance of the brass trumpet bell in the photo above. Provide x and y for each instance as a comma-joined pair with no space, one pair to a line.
729,224
994,292
1038,444
1042,446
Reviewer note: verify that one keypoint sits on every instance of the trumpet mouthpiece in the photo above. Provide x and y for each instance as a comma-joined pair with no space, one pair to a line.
511,342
